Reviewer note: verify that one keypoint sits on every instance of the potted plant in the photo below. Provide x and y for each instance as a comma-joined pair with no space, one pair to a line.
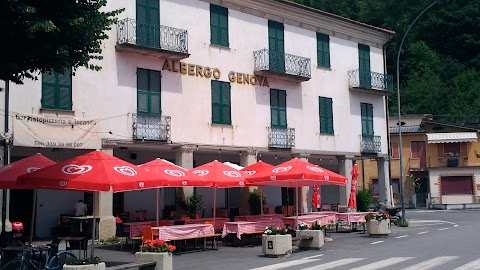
192,204
311,238
254,201
377,224
156,251
276,242
92,263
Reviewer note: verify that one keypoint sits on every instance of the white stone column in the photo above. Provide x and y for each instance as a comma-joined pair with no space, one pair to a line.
384,182
247,158
184,158
103,209
345,164
302,191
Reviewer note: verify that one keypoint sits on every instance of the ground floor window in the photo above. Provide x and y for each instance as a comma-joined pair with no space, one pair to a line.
456,185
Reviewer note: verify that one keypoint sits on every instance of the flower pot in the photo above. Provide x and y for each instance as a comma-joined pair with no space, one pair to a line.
316,243
377,228
277,245
100,266
163,259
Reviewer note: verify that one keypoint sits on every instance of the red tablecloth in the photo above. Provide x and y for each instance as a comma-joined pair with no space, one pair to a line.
241,227
219,221
136,228
352,217
180,231
264,217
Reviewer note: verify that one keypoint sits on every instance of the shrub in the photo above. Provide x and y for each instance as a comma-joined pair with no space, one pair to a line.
254,201
192,204
89,260
402,223
274,231
110,241
364,199
303,226
316,226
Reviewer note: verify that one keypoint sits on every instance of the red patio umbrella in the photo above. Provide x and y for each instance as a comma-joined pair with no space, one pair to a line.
255,168
222,176
164,173
352,201
94,171
9,174
316,197
294,173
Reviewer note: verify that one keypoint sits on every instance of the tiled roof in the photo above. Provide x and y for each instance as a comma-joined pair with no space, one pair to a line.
407,129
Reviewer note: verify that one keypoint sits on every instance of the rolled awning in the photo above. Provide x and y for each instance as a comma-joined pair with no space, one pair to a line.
453,137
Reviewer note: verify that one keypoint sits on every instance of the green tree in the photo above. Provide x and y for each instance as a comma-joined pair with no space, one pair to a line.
51,36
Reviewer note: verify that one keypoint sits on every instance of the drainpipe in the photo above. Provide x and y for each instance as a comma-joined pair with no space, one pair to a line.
387,114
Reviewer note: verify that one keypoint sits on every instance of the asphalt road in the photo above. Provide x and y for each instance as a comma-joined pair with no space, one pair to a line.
434,240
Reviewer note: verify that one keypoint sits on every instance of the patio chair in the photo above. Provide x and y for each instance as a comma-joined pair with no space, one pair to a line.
164,223
179,222
185,218
147,233
326,207
121,233
124,216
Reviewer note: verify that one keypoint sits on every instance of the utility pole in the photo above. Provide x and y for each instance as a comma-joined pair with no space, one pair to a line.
6,152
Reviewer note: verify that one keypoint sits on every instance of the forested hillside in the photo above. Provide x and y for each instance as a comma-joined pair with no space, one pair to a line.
440,61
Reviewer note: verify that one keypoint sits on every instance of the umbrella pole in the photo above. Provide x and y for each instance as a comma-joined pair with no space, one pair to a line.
34,204
261,201
214,204
94,225
296,204
158,208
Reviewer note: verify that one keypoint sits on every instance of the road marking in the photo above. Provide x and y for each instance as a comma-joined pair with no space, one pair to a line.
383,263
432,263
334,264
456,225
422,232
374,243
306,258
473,265
402,236
285,265
442,229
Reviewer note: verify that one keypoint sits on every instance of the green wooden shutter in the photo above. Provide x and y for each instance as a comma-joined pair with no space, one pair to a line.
323,50
48,90
223,26
64,90
367,118
370,118
216,106
329,109
142,91
276,46
219,25
364,65
282,108
154,85
326,115
148,23
226,104
274,108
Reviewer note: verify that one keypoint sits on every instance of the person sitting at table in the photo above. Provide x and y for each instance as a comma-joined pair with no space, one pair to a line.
80,208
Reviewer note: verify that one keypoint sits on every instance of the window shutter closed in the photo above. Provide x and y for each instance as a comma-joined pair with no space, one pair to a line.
214,24
142,91
223,24
274,108
440,152
282,108
226,114
48,90
216,107
65,90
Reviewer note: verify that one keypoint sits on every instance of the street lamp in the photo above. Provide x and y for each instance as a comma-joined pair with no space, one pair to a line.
402,187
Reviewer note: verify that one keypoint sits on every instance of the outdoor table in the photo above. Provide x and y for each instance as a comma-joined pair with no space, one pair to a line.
136,228
241,227
82,243
259,217
183,231
219,221
332,216
351,217
81,219
307,219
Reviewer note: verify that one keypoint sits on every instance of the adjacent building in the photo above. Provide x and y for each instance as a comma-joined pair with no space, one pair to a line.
192,81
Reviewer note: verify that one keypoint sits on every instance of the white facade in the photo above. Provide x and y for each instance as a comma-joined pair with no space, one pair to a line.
111,94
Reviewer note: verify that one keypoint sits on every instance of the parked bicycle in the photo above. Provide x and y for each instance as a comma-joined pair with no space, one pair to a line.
27,261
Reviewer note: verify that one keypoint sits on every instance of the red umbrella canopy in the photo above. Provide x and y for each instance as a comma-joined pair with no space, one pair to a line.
296,172
316,197
257,167
94,171
222,176
352,200
164,173
9,173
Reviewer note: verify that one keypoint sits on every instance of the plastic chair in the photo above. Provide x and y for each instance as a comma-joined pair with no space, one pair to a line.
185,218
209,222
164,223
121,233
147,233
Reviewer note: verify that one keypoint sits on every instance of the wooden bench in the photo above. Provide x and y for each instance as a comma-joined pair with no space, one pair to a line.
134,265
180,240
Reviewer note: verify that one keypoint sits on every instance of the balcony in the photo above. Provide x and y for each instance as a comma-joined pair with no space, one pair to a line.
370,82
151,127
456,161
282,66
370,144
281,137
148,39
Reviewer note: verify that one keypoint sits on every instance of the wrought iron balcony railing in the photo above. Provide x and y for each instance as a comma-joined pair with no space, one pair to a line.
283,63
370,80
281,137
162,37
151,127
370,144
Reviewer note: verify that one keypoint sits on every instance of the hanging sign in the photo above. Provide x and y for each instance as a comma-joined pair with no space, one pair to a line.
55,132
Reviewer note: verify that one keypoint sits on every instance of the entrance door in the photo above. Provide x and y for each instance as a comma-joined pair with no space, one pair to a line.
364,66
421,192
148,23
276,46
21,201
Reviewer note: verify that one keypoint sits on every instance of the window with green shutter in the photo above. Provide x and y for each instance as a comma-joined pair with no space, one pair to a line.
218,25
326,115
323,50
367,118
148,92
365,75
57,90
221,104
278,108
